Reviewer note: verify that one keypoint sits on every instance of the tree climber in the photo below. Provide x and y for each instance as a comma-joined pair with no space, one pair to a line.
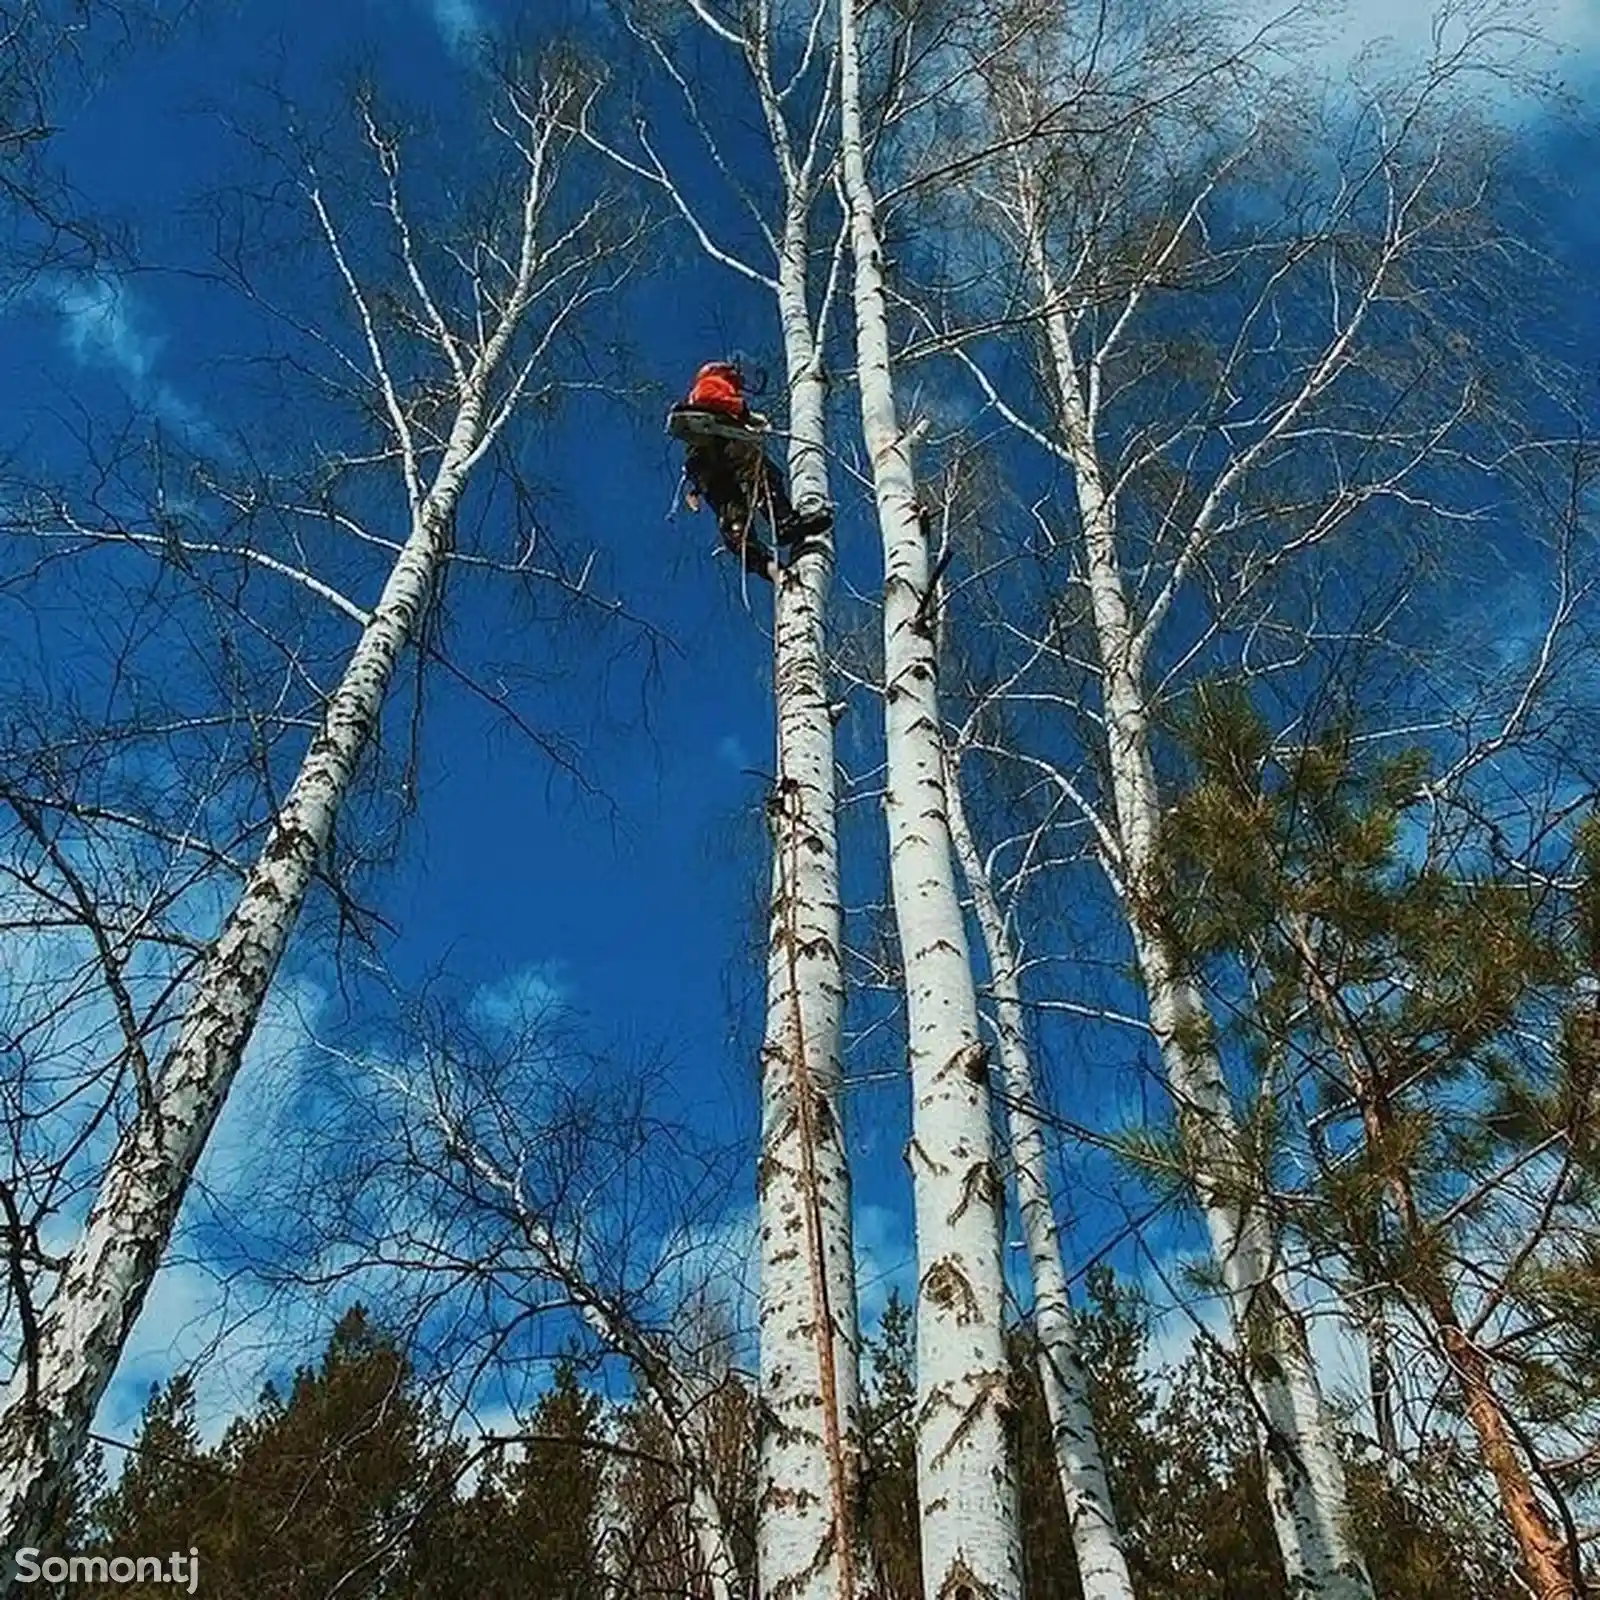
726,466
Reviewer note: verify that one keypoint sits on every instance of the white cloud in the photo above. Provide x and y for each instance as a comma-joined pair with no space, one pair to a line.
521,998
223,1335
715,1265
461,24
104,325
1176,1329
99,325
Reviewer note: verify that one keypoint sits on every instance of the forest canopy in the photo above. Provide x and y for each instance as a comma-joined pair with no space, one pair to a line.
798,800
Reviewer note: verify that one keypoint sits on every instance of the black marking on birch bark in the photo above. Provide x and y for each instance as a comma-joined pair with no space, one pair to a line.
914,1148
288,839
824,1126
948,1287
962,1583
982,1181
992,1388
1269,1367
972,1061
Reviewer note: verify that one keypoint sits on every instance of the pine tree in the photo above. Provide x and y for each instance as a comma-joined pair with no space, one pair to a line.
889,1456
530,1528
166,1481
338,1482
1413,993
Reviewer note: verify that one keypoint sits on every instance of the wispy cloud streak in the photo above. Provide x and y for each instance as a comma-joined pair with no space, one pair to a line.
104,326
461,24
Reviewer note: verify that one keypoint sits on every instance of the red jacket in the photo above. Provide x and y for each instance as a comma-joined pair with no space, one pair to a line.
717,388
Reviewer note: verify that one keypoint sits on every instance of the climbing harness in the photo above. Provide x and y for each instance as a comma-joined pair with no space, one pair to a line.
692,425
689,425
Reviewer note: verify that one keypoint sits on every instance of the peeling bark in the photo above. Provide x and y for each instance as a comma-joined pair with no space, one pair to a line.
1080,1468
965,1475
1551,1562
129,1224
1305,1476
805,1535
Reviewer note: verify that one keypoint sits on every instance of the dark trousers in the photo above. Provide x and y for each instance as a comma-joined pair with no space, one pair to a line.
729,475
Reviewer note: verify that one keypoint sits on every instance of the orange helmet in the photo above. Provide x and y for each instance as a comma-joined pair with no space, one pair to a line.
719,386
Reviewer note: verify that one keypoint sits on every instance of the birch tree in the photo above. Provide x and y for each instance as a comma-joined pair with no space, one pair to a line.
1204,462
965,1474
681,1390
806,1533
1308,1496
530,274
508,1188
1102,1568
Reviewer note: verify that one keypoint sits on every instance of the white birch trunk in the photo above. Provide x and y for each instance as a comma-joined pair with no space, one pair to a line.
1305,1477
805,1531
1080,1468
965,1475
611,1522
719,1575
103,1286
128,1226
682,1398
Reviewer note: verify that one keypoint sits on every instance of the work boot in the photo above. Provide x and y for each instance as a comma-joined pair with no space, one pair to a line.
757,558
810,523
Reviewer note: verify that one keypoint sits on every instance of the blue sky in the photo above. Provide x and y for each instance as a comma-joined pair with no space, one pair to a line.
640,909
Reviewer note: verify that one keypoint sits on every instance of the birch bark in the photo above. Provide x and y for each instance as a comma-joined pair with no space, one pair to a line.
52,1400
806,1541
965,1476
1080,1468
805,1531
682,1400
128,1226
682,1391
1305,1477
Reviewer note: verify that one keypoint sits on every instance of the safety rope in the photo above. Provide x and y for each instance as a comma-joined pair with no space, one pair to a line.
753,489
791,812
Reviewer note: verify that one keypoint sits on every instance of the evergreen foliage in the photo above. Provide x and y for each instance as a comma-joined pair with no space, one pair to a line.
349,1483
